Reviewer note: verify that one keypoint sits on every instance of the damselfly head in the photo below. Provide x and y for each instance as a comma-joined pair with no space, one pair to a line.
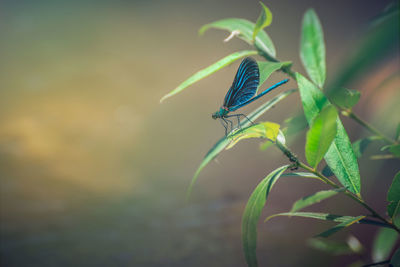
214,115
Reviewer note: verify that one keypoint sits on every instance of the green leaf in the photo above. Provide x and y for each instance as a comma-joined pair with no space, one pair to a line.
245,29
296,124
397,136
224,141
340,156
267,68
395,150
378,42
384,242
321,135
393,197
336,248
280,137
345,98
312,48
252,213
360,145
301,174
264,20
314,198
340,226
269,130
209,70
395,260
314,215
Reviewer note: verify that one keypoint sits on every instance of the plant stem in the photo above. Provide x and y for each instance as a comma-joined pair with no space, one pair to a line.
368,126
293,158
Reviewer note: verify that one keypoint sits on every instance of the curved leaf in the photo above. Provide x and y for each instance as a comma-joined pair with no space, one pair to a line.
209,70
345,98
312,48
321,135
383,244
245,29
252,213
264,20
314,215
314,198
336,248
224,141
340,156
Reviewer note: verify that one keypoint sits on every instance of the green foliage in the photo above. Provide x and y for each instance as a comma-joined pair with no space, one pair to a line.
312,48
244,29
326,138
314,198
393,197
340,156
264,20
321,135
252,213
384,243
209,70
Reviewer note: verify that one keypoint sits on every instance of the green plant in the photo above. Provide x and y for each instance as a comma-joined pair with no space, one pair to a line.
326,138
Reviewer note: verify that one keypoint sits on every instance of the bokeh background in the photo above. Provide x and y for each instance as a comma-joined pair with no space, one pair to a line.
94,170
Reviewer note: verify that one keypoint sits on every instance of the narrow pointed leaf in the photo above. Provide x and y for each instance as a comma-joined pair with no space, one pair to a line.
340,226
384,242
264,20
252,213
267,68
312,48
224,141
314,215
321,135
340,156
245,29
360,145
269,130
209,70
314,198
393,197
301,174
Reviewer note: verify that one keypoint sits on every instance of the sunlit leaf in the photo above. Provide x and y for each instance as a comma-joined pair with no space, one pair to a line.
268,130
393,197
384,242
340,156
312,48
252,213
264,20
340,226
345,98
224,141
209,70
321,135
301,174
245,29
314,198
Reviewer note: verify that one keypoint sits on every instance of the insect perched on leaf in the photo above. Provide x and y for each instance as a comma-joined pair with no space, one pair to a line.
241,93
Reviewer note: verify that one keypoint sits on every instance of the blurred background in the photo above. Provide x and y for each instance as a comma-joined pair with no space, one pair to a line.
94,170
